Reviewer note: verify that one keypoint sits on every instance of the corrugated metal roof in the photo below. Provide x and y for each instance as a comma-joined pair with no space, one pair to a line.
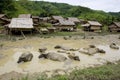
25,16
95,23
21,23
66,22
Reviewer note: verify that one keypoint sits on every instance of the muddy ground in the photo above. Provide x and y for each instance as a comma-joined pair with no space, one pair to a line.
10,50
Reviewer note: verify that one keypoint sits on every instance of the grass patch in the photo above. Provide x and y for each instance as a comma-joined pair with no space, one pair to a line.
61,34
105,72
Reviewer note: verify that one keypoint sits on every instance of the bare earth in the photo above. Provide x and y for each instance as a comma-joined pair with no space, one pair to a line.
12,50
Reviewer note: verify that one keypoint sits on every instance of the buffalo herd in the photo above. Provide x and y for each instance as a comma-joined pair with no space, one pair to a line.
56,56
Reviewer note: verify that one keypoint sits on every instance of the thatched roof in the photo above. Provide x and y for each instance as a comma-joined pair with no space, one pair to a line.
35,16
73,19
2,15
66,22
25,16
117,24
21,23
57,17
94,23
44,18
85,25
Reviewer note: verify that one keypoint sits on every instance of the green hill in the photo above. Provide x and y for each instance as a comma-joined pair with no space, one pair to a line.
40,8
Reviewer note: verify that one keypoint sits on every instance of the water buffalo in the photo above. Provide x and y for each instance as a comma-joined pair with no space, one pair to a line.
114,46
91,51
25,57
53,56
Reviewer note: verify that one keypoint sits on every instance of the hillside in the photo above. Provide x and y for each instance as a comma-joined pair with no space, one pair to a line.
47,9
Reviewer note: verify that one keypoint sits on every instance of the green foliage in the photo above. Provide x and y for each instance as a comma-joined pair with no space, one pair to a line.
45,25
41,8
7,6
116,16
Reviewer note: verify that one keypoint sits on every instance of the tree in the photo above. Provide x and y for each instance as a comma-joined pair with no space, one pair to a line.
7,6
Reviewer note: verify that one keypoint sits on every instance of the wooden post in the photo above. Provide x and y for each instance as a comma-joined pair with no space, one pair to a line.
38,30
10,33
22,34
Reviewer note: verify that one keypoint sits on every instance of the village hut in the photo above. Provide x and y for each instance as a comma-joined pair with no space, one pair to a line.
36,20
92,26
25,16
44,19
4,20
74,19
55,19
86,27
82,21
66,25
114,27
51,29
20,24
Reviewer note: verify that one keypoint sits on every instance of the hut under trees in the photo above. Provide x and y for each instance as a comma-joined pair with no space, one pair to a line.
92,26
65,25
114,27
4,20
74,19
20,24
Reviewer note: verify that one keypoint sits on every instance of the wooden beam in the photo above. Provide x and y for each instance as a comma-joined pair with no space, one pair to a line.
38,30
22,34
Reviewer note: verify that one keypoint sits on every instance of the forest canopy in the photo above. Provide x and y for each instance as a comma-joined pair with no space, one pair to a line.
40,8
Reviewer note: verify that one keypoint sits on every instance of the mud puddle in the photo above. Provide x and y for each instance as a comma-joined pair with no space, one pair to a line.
10,64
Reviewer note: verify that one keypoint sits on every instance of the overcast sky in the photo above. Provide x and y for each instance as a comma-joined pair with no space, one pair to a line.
105,5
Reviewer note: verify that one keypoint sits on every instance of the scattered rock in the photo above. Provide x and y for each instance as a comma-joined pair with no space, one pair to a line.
114,46
65,48
66,37
92,46
74,49
61,51
74,57
42,50
57,46
100,50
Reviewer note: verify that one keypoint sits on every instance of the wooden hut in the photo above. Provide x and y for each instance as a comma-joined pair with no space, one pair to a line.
44,19
4,20
74,19
114,27
92,26
20,24
65,25
55,19
36,20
